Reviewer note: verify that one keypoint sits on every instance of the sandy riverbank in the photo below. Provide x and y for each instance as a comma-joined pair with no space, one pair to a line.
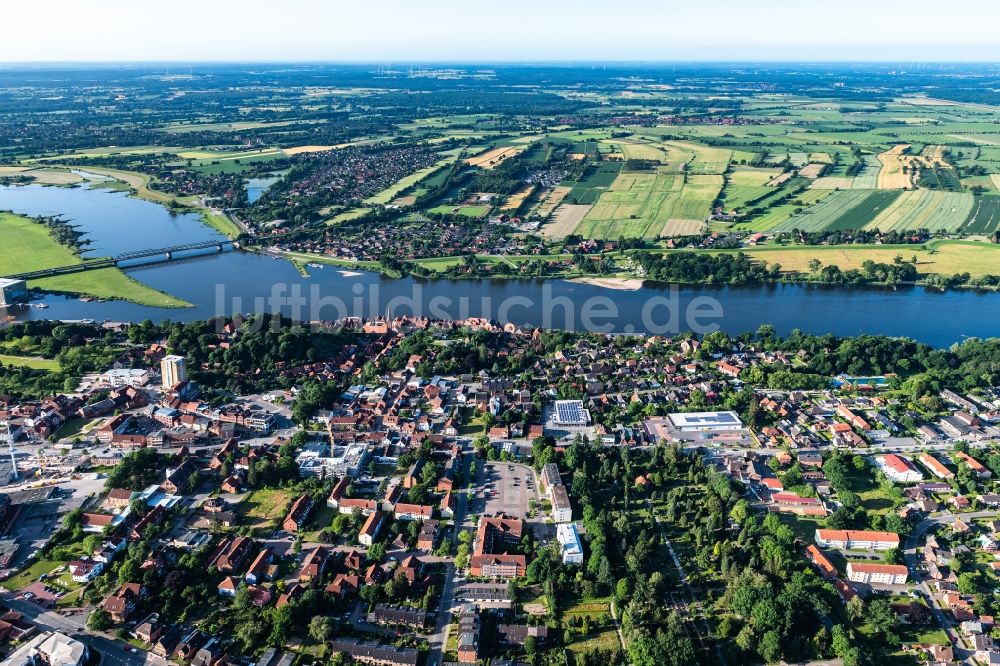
622,284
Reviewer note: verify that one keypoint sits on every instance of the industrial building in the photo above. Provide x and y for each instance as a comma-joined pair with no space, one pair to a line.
12,291
569,543
571,413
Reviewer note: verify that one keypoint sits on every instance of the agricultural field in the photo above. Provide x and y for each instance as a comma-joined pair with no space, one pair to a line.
776,216
746,184
704,159
565,220
897,168
985,216
491,158
647,205
551,200
941,257
516,200
825,213
867,179
596,180
925,209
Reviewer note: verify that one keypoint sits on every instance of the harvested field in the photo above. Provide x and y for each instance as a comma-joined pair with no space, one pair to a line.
552,200
491,158
780,180
934,155
565,220
516,200
894,160
298,150
811,170
675,227
995,177
832,183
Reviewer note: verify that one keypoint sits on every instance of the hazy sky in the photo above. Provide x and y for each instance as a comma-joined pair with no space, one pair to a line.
509,30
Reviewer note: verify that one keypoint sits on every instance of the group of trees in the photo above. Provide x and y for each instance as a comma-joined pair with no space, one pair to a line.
692,267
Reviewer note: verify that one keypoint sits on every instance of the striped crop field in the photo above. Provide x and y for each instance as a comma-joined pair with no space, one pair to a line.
826,212
985,216
925,209
867,209
777,215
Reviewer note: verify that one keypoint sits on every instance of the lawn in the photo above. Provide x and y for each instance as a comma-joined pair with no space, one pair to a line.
220,222
321,519
804,527
27,576
263,508
466,211
75,427
33,362
605,640
26,246
876,501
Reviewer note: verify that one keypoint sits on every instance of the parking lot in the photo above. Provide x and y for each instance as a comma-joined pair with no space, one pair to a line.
505,488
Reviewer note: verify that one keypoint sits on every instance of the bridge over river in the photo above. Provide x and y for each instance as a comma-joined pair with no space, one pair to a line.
159,254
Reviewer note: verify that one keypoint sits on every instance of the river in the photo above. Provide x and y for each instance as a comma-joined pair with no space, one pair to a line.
222,284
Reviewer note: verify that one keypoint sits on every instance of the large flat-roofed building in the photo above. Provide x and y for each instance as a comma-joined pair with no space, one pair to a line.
571,413
49,648
172,371
562,510
12,291
550,475
705,421
132,377
569,543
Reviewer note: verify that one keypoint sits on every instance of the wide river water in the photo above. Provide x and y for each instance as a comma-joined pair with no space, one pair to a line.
222,284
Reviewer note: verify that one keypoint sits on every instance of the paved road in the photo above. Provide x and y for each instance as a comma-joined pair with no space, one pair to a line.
113,652
910,556
439,639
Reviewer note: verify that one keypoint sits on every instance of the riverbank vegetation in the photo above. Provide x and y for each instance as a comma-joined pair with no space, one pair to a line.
26,245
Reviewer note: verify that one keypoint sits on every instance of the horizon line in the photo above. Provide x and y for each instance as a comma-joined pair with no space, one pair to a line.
523,62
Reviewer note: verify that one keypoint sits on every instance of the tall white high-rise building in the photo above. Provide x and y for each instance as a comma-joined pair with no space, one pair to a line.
173,371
